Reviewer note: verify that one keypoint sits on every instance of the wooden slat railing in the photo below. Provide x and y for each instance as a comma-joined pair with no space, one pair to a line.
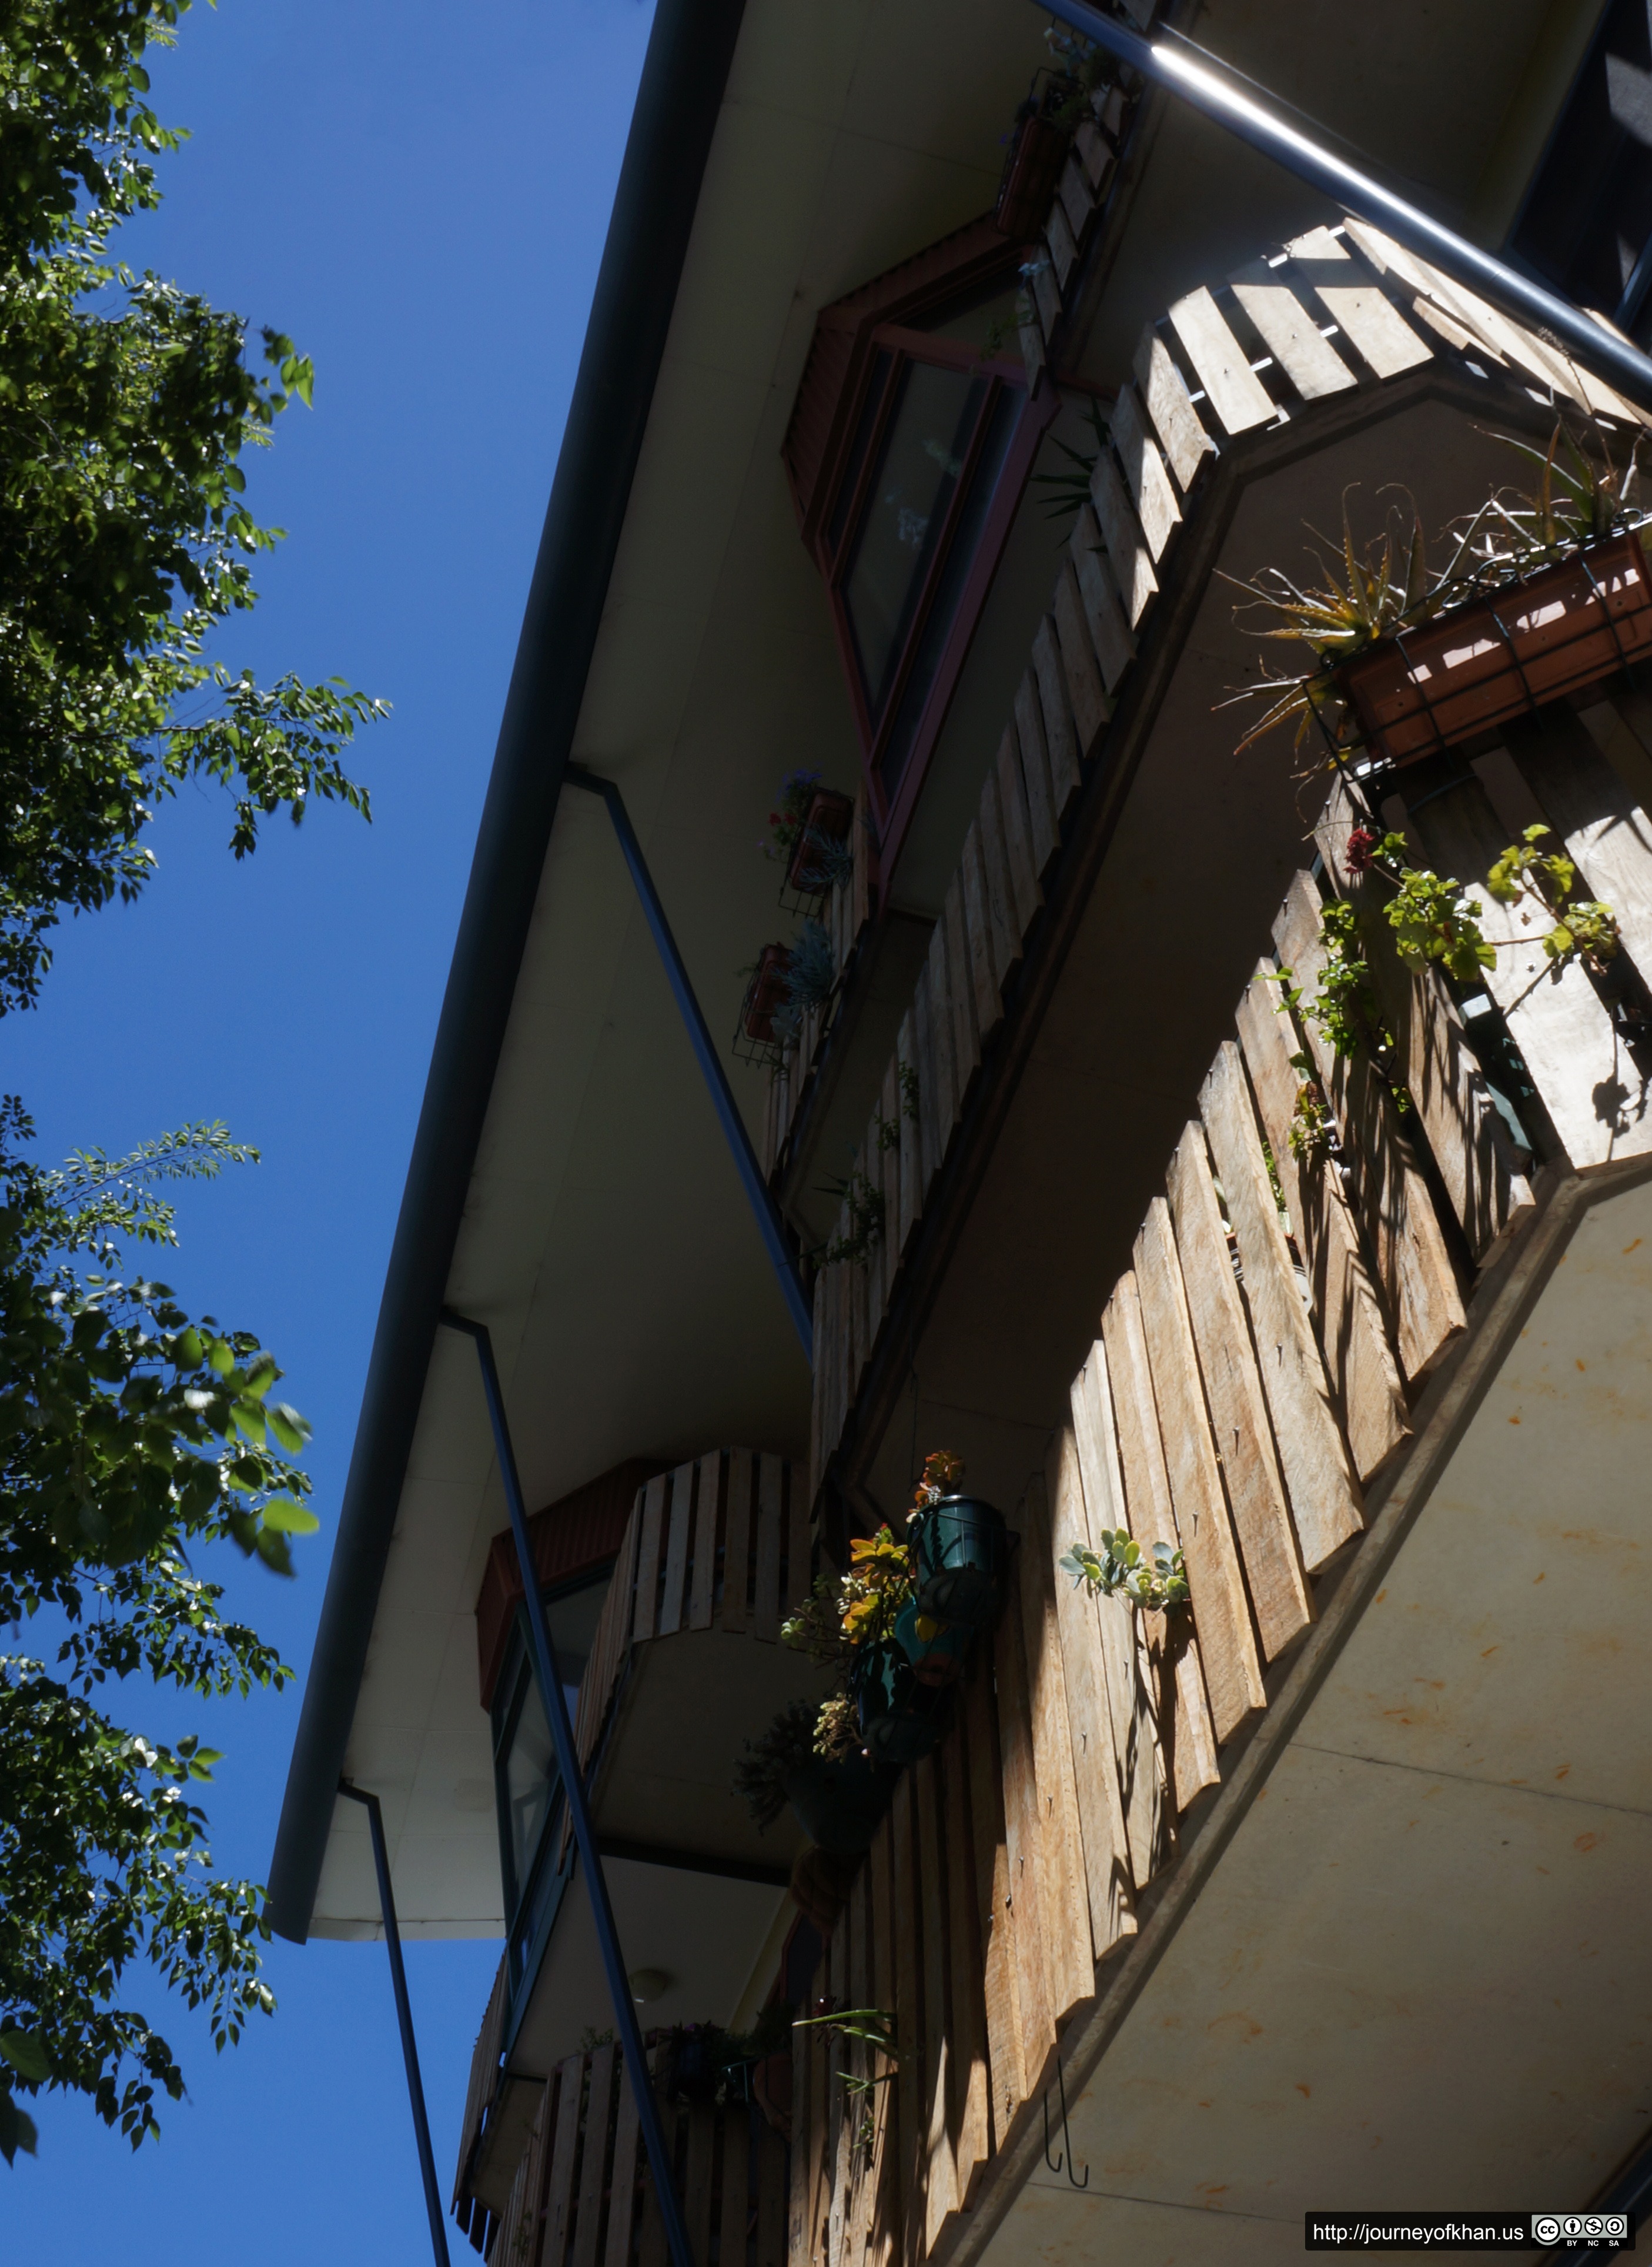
469,2210
722,1542
1388,314
847,911
1255,1368
584,2194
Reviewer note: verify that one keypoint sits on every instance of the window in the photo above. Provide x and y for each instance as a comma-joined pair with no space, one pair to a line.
1586,225
909,447
528,1786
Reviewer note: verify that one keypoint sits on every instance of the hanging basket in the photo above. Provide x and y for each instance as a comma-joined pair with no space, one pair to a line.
901,1719
766,994
960,1560
828,819
1419,690
838,1804
1031,174
935,1649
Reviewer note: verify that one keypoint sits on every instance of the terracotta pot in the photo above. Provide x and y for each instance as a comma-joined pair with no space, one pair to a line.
829,818
1564,628
1028,190
766,993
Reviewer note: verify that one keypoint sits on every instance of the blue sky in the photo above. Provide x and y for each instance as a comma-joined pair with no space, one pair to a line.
418,195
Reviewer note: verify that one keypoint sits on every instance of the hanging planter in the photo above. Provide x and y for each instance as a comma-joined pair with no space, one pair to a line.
960,1560
1031,174
1566,627
766,994
901,1719
936,1649
827,819
838,1802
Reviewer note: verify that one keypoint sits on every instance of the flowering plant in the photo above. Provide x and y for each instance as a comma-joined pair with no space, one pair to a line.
787,820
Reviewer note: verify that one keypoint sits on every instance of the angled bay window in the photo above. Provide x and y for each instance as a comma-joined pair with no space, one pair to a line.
909,448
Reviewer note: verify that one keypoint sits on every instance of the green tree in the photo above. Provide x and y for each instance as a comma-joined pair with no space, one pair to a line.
131,1438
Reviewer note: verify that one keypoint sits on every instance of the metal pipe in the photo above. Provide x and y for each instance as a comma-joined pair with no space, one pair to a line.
549,1683
1608,355
404,2017
771,1226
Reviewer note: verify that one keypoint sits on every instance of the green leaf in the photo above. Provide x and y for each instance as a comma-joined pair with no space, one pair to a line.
28,2056
291,1431
287,1516
17,2129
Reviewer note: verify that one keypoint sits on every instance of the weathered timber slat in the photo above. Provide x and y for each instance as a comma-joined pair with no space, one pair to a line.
1114,639
970,2116
596,2125
1470,1143
911,1202
1145,473
1121,533
1024,1899
734,2207
654,1500
838,2141
1063,1884
1395,1208
737,1542
1003,924
1030,728
1184,1716
676,1549
765,1612
1279,1593
1000,2002
1063,252
1233,1673
1077,201
960,987
558,2198
622,2208
799,1572
771,2201
1171,406
978,934
1607,835
1090,706
1236,395
886,1173
1061,737
1107,1849
1372,324
940,1032
708,1514
1588,1085
697,2180
1324,1498
1017,838
800,2188
929,1120
1131,1703
887,2192
1290,334
905,1917
941,2190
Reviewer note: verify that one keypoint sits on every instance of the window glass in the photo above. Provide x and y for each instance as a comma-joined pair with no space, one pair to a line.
857,454
528,1782
1587,222
918,473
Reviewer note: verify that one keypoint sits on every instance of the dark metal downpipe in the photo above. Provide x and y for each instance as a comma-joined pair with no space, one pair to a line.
1168,66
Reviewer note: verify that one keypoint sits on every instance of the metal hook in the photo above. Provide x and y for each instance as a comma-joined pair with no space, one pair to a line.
1065,2158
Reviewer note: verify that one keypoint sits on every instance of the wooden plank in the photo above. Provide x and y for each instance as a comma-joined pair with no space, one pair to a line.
1607,834
679,1529
911,1202
799,1572
1121,533
1061,739
1000,2001
857,2215
1470,1143
1036,2020
1106,1838
1395,1208
622,2208
1076,200
1235,393
1279,1593
1030,728
1170,406
1090,707
599,2120
860,881
838,2141
930,1137
1063,1883
1063,252
1137,1753
734,2206
1348,1322
765,1613
737,1542
1185,1727
940,1032
709,1517
1232,1672
940,2189
1114,641
1325,1496
771,2202
651,2244
971,2123
908,2007
1004,926
1373,326
886,1171
1091,148
1557,1020
697,2179
977,929
799,2249
1018,832
648,1557
1291,334
1145,473
558,2204
960,988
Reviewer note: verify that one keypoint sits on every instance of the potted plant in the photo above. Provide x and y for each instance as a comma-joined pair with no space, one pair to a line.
960,1547
902,1719
820,855
936,1649
766,996
810,1759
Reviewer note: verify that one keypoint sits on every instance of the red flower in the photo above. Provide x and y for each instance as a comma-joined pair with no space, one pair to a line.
1362,848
